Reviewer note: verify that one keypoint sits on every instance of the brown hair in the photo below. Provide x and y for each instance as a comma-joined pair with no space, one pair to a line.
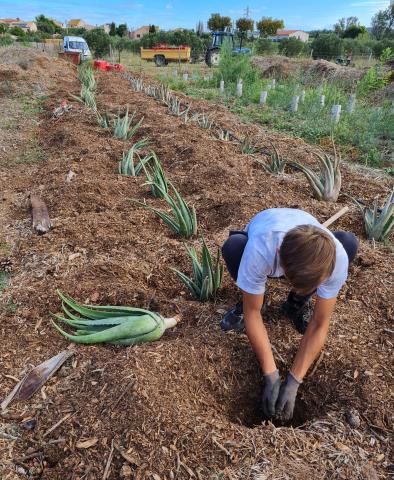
307,256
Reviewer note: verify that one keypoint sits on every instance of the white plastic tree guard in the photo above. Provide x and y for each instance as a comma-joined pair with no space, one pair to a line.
336,113
294,103
302,96
351,104
273,84
322,100
239,88
185,76
263,97
221,86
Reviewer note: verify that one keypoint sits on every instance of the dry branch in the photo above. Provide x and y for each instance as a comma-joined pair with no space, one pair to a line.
41,221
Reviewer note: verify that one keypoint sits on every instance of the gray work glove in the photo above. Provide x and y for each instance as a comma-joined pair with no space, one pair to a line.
270,393
287,397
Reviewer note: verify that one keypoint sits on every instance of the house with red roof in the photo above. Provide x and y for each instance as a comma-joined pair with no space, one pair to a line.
284,34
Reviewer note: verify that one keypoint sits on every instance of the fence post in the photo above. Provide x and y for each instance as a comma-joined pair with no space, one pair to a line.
322,100
239,88
336,113
294,103
302,96
263,97
351,104
221,85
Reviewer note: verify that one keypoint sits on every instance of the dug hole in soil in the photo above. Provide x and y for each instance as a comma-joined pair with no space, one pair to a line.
186,406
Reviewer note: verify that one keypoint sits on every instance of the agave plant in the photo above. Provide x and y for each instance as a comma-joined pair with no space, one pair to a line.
378,222
86,77
224,135
248,146
175,107
207,274
155,176
127,165
327,185
123,128
204,121
103,120
276,164
88,97
182,220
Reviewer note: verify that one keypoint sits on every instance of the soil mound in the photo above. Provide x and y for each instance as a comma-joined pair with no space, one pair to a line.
312,71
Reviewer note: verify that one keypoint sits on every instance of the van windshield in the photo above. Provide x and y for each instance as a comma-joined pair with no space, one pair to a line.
77,45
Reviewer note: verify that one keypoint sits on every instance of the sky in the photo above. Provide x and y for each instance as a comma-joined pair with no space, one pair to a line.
305,15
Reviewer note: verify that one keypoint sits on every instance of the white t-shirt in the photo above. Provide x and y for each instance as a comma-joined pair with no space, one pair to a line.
261,255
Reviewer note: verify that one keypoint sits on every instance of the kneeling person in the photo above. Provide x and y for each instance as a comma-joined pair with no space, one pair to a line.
291,243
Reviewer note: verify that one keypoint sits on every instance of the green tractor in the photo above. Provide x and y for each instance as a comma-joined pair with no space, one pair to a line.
212,54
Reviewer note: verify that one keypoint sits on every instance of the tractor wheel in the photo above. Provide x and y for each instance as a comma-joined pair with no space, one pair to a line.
160,60
212,57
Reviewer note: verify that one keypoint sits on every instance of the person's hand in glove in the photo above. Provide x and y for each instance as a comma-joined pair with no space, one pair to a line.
287,396
270,393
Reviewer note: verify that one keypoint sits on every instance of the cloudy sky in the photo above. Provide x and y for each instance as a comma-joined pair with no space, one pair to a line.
168,14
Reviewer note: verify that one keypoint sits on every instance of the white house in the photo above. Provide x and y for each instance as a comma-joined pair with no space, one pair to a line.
284,34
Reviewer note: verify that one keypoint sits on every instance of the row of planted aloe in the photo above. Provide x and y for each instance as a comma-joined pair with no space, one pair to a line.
325,184
129,325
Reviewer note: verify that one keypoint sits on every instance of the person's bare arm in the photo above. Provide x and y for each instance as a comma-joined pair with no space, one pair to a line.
257,332
314,338
311,344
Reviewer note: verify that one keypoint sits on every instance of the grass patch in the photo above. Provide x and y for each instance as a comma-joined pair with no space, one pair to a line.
31,154
4,278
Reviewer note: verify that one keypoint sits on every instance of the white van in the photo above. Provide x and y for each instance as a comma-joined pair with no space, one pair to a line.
77,45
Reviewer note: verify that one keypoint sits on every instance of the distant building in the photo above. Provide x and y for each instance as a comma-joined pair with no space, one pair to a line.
57,23
140,32
79,23
17,22
284,34
106,27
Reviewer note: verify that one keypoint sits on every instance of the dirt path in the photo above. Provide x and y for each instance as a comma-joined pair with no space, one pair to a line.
187,406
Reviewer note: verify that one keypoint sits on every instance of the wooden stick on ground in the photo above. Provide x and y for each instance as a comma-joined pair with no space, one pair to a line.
335,217
40,216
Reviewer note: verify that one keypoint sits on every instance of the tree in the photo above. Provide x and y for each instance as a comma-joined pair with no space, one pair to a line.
46,25
120,44
265,46
112,29
327,46
269,26
244,25
354,31
200,28
3,28
98,41
121,30
291,47
344,24
219,23
383,23
17,31
152,29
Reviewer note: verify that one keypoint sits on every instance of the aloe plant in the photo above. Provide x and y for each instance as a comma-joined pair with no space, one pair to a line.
248,146
155,176
103,120
276,163
123,128
127,165
378,222
204,121
182,220
86,77
224,135
327,184
88,97
207,274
